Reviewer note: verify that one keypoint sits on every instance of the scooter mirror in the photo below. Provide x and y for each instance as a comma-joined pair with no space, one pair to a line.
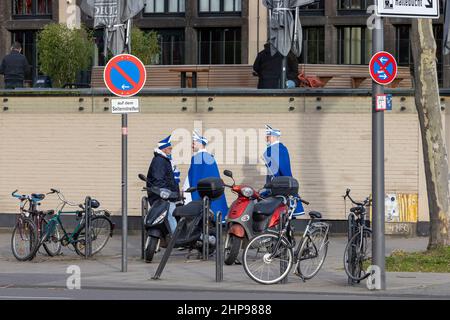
228,173
142,177
191,189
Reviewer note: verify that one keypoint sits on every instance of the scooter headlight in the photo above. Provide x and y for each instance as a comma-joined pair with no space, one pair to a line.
164,194
160,218
247,192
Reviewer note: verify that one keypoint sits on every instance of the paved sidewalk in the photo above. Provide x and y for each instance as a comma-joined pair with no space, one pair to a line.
103,272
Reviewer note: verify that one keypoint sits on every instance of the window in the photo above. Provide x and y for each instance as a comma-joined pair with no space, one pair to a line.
165,6
220,6
403,48
171,43
32,8
313,45
316,8
355,45
219,46
28,41
354,4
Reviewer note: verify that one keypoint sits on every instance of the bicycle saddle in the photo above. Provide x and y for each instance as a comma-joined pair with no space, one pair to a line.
357,210
48,212
315,215
38,196
267,206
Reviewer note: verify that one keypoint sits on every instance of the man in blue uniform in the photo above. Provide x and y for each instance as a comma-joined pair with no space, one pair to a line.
277,160
203,165
163,173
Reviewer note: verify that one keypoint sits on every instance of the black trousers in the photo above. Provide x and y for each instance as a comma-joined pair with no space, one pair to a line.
12,84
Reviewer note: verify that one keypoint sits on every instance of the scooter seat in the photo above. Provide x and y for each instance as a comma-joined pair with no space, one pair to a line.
192,209
267,206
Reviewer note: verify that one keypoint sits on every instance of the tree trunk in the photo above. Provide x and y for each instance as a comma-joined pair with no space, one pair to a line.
431,126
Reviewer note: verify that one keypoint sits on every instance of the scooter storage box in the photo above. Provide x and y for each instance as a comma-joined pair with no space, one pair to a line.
284,186
212,188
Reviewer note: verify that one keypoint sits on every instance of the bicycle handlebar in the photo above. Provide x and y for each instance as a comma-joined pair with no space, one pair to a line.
363,204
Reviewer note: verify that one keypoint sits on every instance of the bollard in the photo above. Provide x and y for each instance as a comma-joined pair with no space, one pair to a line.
205,242
169,248
144,210
219,249
87,228
350,232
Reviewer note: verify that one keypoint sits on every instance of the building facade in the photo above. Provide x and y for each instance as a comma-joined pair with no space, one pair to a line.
228,31
189,31
336,32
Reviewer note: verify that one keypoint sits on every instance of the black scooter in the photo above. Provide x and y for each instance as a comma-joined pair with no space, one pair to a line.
157,228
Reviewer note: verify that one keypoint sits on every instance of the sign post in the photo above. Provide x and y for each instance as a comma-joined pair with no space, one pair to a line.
382,72
125,76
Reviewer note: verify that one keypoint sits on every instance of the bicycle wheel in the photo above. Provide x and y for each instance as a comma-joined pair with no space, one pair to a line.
357,255
263,262
101,231
52,243
313,252
24,240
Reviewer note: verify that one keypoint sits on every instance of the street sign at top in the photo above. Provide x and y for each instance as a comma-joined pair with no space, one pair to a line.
408,8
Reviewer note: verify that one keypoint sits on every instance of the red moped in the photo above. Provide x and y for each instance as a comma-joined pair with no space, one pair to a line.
248,216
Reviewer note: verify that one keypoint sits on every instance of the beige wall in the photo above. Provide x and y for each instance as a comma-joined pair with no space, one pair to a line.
47,142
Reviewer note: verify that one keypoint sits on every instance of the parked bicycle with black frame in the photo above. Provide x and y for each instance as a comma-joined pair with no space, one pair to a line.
269,257
29,224
101,227
358,252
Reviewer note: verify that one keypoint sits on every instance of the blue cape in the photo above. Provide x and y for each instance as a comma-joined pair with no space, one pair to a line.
203,165
278,164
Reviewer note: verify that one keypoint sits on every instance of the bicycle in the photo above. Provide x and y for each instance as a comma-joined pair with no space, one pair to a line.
100,225
30,221
276,248
359,247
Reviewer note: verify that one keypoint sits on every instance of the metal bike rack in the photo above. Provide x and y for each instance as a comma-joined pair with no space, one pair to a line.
87,217
283,264
350,233
219,248
144,210
205,251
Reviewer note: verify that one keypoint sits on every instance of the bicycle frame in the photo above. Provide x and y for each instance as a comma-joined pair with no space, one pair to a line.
56,220
287,230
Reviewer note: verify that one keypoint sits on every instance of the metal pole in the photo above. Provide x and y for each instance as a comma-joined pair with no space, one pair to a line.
87,229
378,244
219,249
144,210
124,191
283,73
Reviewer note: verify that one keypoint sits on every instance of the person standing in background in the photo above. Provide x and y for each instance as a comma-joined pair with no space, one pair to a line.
15,67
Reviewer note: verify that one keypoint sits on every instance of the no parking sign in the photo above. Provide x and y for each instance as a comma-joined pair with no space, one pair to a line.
383,68
125,75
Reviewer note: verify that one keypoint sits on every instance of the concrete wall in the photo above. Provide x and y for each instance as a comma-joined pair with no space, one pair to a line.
49,142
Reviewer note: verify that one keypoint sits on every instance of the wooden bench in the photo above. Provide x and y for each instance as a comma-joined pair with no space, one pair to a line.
241,76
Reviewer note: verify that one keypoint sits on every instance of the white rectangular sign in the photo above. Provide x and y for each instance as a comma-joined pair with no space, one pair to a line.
381,102
408,8
120,106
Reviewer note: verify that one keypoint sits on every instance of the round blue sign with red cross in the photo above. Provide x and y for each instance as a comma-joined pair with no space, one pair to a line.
383,68
125,75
